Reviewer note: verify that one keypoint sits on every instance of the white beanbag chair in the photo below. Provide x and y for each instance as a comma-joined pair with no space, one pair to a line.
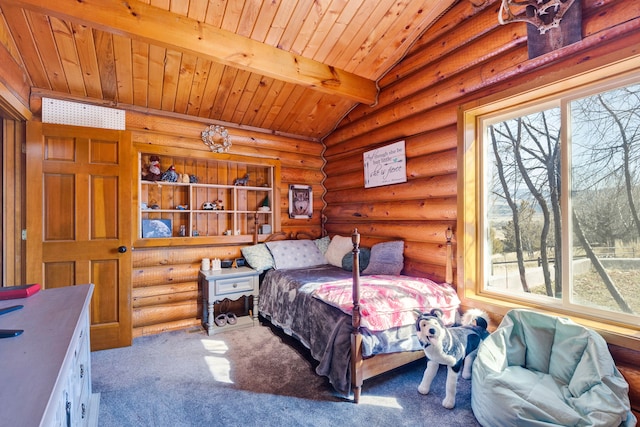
541,370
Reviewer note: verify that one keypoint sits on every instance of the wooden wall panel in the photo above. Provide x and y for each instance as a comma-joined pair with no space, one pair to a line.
13,215
14,82
465,56
165,291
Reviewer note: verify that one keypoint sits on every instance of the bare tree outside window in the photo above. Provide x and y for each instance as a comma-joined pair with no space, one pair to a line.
524,199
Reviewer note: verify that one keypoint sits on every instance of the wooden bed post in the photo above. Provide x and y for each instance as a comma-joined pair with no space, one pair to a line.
356,338
362,369
255,229
449,268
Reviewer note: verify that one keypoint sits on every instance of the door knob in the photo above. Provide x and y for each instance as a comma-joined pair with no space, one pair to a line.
122,249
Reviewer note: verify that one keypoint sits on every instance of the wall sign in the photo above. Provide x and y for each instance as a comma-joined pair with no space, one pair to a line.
385,165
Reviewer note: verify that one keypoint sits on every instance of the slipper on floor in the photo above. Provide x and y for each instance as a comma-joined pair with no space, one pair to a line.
231,318
221,319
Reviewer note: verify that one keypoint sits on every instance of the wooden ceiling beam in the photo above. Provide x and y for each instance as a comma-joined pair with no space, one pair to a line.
138,20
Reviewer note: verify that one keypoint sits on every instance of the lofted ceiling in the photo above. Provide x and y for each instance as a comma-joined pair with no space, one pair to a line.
288,66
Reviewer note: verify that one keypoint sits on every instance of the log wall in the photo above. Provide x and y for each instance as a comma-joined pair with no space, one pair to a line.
165,292
467,55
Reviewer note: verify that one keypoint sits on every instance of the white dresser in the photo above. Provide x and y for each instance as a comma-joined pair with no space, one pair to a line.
45,373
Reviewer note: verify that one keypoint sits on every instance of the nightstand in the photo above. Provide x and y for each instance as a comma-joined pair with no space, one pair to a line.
232,284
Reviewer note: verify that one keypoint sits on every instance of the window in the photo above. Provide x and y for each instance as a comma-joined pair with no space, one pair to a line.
551,186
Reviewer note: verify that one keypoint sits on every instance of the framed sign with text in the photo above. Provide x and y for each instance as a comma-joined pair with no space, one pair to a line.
385,165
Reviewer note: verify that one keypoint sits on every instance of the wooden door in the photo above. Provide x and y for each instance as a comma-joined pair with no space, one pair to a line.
79,220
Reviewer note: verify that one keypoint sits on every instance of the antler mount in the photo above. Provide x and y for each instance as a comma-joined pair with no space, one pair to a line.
542,14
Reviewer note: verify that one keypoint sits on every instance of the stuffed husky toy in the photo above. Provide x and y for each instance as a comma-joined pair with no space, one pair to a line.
453,346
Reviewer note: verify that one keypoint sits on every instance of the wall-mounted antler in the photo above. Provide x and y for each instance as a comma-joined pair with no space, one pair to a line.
542,14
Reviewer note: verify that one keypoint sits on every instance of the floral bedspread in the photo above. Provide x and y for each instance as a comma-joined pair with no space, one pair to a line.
390,301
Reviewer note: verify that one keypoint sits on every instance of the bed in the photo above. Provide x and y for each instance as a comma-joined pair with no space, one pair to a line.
352,323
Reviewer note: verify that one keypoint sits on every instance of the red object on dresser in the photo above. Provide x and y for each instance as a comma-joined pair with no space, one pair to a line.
14,292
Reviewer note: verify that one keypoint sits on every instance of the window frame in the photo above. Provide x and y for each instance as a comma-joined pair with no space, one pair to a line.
553,90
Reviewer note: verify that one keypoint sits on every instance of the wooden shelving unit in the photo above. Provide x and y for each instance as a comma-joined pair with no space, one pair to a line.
174,213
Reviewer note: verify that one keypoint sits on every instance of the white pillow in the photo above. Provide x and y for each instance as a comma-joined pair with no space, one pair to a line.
337,249
288,254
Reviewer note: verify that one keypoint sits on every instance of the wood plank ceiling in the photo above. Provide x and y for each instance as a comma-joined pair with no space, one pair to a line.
289,66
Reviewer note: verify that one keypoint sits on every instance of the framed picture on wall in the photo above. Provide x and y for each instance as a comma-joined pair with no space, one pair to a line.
300,201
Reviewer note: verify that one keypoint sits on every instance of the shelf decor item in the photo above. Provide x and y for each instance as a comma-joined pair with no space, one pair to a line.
170,175
217,139
264,206
242,181
151,172
153,228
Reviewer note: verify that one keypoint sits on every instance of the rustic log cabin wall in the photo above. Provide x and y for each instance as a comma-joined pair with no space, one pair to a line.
165,292
467,55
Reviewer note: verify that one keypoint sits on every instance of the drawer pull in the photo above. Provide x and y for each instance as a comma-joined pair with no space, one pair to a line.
68,412
81,371
235,285
84,411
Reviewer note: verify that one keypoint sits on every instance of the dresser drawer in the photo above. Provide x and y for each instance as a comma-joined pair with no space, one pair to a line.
233,285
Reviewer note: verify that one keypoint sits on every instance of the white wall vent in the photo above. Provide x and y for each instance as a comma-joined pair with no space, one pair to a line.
77,114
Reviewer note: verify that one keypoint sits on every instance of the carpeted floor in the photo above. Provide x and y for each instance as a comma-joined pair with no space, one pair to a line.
254,377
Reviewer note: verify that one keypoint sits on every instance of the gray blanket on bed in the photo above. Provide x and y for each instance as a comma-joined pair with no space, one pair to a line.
286,300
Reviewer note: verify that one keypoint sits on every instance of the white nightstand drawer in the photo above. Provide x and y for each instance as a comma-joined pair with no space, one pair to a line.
233,285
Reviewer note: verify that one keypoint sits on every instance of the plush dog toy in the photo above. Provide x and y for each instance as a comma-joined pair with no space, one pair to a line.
454,346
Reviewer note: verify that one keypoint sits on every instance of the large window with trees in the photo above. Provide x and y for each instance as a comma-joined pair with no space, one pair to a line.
556,182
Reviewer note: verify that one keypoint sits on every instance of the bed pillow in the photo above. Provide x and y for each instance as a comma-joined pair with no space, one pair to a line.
363,260
323,244
386,258
288,254
337,249
258,257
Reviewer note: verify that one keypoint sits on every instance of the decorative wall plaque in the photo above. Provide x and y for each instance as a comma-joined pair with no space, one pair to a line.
385,165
